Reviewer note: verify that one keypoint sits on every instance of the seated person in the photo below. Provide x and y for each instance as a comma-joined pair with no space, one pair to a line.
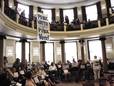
29,80
52,67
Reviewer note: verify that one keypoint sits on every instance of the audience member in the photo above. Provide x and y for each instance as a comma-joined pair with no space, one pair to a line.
29,80
17,64
66,19
96,68
5,61
23,18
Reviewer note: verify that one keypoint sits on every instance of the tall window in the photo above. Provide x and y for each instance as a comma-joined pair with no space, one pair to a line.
48,13
27,49
91,12
22,8
112,4
95,49
69,13
49,52
18,50
71,51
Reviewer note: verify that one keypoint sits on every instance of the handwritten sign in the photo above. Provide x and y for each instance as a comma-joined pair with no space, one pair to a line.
42,27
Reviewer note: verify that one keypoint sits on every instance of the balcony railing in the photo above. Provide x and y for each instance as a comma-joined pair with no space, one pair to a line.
32,23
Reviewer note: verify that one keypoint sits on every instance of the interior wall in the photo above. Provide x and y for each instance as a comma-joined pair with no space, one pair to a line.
110,47
10,50
79,49
57,52
86,51
35,52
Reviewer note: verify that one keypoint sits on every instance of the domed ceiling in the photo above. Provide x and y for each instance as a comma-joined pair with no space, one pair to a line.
58,3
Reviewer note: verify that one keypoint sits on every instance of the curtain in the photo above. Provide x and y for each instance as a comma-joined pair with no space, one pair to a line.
99,10
84,17
61,16
53,15
75,13
30,15
6,7
6,3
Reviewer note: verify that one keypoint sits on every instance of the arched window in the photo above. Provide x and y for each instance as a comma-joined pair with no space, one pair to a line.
48,13
91,12
95,49
49,52
22,8
69,13
71,51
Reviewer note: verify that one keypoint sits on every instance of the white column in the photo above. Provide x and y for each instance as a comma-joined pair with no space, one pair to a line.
99,23
107,22
17,18
33,24
65,26
81,26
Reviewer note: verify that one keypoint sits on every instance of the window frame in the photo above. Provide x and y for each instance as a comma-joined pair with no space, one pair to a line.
76,58
67,14
89,58
53,51
96,12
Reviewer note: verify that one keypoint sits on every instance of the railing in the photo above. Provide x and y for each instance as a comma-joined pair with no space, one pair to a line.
32,23
18,18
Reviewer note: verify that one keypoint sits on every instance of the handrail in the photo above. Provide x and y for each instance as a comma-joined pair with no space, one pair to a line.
100,29
59,27
104,29
32,23
14,26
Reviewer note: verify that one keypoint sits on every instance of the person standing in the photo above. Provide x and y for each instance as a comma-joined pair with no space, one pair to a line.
96,68
66,20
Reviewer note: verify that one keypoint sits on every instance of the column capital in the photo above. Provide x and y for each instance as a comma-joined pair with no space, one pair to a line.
42,42
23,40
81,41
2,37
102,38
62,41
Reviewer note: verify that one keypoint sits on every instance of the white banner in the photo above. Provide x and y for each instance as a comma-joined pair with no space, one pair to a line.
42,27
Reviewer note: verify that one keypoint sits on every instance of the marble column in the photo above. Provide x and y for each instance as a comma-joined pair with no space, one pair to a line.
104,53
81,41
42,48
62,42
23,41
1,51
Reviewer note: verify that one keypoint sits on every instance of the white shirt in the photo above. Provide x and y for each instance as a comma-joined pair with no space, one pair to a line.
96,65
51,68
